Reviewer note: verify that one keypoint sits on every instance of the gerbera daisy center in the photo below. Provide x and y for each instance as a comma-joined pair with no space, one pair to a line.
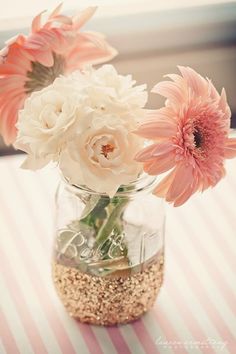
198,137
42,76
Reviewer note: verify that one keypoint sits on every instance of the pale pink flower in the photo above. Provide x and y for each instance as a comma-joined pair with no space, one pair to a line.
30,63
190,136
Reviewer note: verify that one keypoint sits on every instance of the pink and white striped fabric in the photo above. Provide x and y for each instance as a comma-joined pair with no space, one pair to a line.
195,311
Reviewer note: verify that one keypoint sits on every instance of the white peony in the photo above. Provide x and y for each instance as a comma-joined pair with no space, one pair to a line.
85,122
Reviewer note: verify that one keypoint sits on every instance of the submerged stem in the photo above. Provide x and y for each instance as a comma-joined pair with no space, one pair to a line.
108,226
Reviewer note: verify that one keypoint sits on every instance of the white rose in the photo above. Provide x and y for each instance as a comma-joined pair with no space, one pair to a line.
116,89
101,156
47,122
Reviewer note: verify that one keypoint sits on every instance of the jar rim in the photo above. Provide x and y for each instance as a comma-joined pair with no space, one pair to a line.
144,183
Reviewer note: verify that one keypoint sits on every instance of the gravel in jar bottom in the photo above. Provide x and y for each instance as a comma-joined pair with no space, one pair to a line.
108,300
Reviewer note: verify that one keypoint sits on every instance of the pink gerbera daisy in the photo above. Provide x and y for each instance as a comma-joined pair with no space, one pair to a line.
29,63
190,136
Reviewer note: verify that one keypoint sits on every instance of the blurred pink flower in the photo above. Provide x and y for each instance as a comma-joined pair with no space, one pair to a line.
190,136
29,63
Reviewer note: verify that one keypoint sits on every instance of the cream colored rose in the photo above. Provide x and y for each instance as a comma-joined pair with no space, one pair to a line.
47,122
101,157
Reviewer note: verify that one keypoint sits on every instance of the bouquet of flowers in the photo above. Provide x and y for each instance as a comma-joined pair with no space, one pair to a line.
93,124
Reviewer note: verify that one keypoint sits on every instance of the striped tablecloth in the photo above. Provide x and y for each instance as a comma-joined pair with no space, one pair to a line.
195,311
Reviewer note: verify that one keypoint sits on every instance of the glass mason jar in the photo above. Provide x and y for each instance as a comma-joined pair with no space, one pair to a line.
108,252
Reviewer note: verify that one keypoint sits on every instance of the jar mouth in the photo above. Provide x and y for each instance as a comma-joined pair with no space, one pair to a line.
144,183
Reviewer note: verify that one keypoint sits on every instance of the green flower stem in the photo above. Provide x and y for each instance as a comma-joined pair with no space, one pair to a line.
108,226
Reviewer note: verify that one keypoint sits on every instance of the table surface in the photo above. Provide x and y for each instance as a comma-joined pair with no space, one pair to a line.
194,313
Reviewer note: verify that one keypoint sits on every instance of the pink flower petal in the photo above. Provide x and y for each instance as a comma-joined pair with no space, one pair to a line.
18,56
163,148
160,164
34,44
36,23
190,190
56,11
62,19
162,114
10,83
44,57
84,16
89,56
223,105
212,90
170,90
175,77
6,69
194,80
156,129
182,180
163,186
230,149
9,116
146,153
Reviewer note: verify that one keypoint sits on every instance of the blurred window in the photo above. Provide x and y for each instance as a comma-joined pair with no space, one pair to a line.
17,13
